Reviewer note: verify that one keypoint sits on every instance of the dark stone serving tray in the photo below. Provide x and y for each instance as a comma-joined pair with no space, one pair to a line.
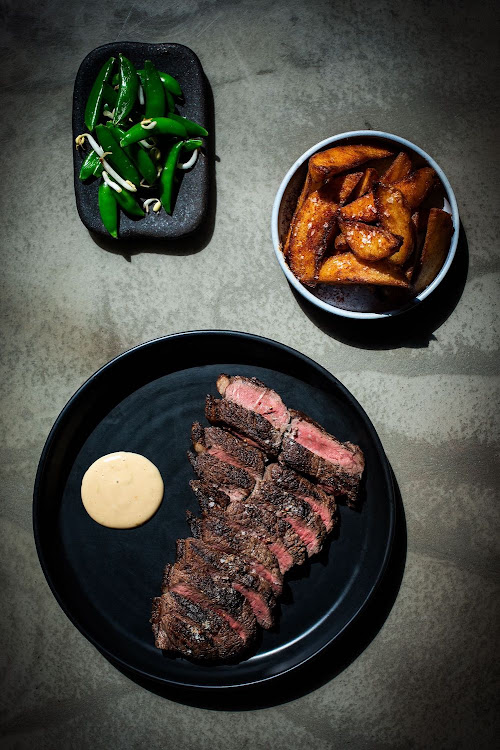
191,204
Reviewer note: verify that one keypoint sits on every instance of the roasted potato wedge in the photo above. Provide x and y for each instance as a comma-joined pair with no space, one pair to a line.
362,209
395,216
400,167
347,269
370,177
416,186
436,246
368,242
341,244
325,164
313,227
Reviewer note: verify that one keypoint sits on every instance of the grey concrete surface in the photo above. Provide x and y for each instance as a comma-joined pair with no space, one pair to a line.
284,75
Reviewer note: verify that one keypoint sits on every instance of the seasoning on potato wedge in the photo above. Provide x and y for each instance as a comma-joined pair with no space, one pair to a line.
326,164
399,168
341,245
395,216
362,209
435,250
347,269
416,186
370,177
368,242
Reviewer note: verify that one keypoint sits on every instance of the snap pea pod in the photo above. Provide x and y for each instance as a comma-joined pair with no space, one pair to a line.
91,166
127,93
137,154
192,128
125,200
169,82
94,102
163,126
192,143
110,97
167,176
169,101
117,156
108,208
154,93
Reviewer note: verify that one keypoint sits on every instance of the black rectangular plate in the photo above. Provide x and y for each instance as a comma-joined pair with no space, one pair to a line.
191,205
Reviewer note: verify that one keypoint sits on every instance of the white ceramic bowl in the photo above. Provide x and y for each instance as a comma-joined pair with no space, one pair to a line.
357,301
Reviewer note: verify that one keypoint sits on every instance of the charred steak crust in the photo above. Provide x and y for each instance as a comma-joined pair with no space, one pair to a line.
211,469
320,502
227,446
245,422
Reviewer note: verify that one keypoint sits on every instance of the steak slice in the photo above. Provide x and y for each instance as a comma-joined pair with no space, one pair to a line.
304,521
211,590
246,423
217,530
236,570
336,466
184,626
226,447
320,502
260,517
255,396
215,471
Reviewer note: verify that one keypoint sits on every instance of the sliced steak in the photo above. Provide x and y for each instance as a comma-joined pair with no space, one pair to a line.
236,570
255,396
226,447
211,590
336,466
307,524
246,423
215,471
320,502
217,530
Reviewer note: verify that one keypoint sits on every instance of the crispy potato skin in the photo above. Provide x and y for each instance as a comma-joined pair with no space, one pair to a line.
341,245
416,186
368,242
436,246
326,164
362,209
347,269
400,167
314,225
395,216
370,177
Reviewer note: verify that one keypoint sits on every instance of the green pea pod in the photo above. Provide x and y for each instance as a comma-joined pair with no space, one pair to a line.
109,98
167,176
127,93
154,93
168,81
128,203
115,79
94,102
164,126
91,166
192,128
117,156
170,101
108,208
137,154
192,143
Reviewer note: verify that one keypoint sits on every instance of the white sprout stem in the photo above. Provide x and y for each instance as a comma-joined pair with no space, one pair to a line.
147,203
148,125
141,95
146,144
191,162
106,166
110,183
107,113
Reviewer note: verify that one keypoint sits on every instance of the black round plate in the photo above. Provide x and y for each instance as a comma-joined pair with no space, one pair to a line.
145,401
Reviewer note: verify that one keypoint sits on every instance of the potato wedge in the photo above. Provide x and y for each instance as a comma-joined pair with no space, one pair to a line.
436,246
340,244
362,209
368,242
313,227
347,269
416,186
370,177
325,164
400,167
395,216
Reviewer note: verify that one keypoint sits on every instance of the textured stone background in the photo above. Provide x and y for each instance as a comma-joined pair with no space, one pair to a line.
284,76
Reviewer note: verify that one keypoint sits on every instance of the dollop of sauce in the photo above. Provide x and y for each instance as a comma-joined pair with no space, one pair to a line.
122,490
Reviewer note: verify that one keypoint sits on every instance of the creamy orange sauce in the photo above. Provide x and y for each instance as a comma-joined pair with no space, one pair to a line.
122,490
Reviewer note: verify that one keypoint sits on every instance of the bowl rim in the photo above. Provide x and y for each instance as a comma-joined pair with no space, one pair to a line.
450,195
